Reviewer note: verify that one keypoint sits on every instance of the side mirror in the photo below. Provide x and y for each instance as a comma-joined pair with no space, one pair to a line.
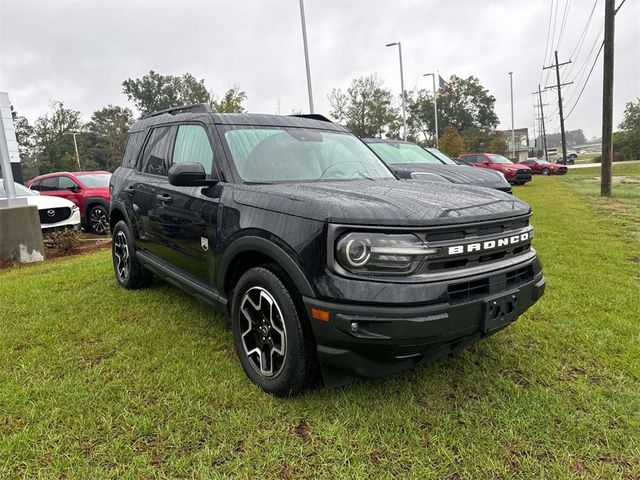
190,175
74,188
486,162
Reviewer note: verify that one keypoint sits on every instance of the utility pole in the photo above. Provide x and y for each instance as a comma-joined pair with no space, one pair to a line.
544,133
306,55
75,144
404,119
513,132
559,87
607,98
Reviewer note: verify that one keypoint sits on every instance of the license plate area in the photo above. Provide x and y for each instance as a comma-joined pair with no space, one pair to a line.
500,311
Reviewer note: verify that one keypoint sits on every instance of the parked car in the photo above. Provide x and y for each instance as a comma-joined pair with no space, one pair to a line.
572,154
55,213
325,260
410,161
541,166
514,173
88,190
566,161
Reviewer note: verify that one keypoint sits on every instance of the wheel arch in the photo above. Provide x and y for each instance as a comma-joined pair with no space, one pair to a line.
248,252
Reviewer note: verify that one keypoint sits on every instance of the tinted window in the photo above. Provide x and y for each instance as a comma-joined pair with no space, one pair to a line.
154,158
393,153
35,185
193,146
96,180
132,149
21,190
49,184
273,154
66,183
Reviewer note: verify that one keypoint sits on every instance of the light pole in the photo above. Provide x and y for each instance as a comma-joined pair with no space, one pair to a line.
306,55
435,103
513,134
404,120
75,144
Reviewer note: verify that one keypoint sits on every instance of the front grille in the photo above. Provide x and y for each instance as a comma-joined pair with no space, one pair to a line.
444,238
469,291
54,215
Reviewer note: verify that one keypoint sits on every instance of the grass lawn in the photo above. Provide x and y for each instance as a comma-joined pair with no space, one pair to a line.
99,382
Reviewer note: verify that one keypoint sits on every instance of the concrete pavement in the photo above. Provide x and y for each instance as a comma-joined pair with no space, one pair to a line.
587,165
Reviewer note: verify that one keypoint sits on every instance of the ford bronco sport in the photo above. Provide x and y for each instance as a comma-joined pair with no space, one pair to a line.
329,265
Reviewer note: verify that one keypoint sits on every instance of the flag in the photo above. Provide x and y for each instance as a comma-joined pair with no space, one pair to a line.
441,83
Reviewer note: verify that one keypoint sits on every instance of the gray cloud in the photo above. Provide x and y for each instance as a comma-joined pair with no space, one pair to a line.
80,52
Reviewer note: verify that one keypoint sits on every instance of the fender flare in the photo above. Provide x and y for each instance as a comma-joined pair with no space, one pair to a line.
270,249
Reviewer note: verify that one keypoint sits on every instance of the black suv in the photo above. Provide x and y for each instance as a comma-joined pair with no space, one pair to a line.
326,262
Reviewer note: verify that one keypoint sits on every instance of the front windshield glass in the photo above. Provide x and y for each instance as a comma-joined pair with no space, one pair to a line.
21,190
95,180
282,154
499,159
393,153
441,156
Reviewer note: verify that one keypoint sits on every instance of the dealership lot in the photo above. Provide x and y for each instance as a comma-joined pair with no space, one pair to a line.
113,383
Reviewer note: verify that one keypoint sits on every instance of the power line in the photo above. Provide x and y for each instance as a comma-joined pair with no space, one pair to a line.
546,44
565,17
619,6
586,81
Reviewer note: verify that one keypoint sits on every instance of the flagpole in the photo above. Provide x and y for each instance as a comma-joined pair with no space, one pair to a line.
435,104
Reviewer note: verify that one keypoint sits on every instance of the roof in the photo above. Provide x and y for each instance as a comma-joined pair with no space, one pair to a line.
249,119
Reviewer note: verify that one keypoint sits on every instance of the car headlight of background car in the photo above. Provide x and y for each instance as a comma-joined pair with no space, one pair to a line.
381,254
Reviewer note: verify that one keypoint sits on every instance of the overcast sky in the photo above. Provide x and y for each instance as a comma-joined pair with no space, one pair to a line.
81,51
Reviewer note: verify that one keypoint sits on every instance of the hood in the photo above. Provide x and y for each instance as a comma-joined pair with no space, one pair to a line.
457,174
47,201
382,202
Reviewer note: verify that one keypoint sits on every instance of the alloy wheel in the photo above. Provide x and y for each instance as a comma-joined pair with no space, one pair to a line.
98,220
262,331
121,254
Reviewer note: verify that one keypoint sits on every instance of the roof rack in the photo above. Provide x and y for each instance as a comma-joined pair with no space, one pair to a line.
195,108
313,116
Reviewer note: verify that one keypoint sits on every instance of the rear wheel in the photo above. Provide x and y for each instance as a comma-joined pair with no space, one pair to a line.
546,171
98,219
272,340
129,272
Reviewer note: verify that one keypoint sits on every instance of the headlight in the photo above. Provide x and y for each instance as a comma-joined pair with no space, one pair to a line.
379,253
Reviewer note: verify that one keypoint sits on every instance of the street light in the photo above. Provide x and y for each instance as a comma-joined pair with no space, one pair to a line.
435,103
404,120
75,144
306,55
513,135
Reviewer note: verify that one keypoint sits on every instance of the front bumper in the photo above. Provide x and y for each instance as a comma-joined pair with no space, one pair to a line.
520,178
369,341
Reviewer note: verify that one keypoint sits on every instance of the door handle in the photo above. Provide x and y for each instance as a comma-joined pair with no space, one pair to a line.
164,198
129,190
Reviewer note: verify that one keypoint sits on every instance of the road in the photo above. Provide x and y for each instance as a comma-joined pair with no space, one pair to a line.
587,165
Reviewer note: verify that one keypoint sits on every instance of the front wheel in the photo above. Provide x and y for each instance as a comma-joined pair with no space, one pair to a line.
272,341
98,219
545,171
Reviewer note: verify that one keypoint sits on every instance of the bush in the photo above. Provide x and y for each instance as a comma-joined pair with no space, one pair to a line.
63,240
616,158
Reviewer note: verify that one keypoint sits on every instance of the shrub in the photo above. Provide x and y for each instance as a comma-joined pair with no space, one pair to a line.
63,240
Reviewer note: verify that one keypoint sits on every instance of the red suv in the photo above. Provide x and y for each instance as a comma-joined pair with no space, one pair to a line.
514,173
88,190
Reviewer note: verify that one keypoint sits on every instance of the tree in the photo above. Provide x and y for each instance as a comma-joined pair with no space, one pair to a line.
484,140
451,142
53,139
155,92
626,142
26,145
231,101
108,133
420,117
465,104
366,108
574,137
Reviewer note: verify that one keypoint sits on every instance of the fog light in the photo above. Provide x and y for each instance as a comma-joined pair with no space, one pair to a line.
355,327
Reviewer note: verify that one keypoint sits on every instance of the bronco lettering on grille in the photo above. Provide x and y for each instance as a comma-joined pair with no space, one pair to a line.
489,244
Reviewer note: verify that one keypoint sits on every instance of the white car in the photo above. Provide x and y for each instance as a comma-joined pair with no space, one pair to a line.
55,212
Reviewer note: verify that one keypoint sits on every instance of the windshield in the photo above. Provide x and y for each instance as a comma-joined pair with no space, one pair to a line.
281,154
441,156
95,180
499,159
393,153
21,190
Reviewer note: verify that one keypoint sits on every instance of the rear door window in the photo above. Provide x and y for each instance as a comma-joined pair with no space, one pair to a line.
49,184
156,151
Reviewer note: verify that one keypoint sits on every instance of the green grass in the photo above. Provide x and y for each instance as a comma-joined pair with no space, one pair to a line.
99,382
